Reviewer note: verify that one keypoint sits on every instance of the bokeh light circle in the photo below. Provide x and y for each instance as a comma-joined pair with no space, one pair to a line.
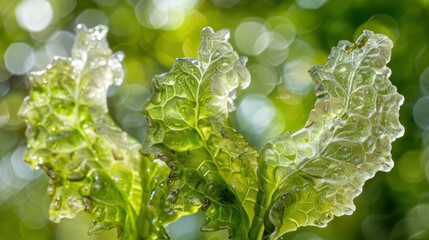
63,8
4,114
251,38
163,14
410,168
106,3
381,23
259,118
296,77
92,18
19,58
418,218
4,88
264,79
276,50
421,112
424,81
256,112
4,74
311,4
34,15
60,44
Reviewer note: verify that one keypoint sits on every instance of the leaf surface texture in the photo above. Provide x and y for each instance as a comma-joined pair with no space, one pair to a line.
212,166
93,165
308,177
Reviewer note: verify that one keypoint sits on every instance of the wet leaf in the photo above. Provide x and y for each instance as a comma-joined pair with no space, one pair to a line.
93,165
308,177
212,166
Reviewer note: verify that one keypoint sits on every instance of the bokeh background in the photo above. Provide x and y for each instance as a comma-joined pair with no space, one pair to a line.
282,40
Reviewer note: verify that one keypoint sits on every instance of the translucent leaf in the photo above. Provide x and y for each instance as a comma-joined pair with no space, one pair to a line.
193,158
212,166
308,177
93,165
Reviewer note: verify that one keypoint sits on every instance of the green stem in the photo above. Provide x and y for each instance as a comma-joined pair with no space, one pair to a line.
257,229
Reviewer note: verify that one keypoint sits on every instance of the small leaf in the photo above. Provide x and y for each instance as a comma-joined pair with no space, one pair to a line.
308,177
93,165
212,166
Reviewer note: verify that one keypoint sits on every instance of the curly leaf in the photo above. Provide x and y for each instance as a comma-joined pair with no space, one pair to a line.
93,165
212,166
308,177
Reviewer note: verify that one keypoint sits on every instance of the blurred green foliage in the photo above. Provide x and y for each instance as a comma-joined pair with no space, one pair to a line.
282,40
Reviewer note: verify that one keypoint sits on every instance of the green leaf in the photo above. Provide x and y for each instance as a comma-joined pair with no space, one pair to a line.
93,165
193,158
151,217
308,177
212,166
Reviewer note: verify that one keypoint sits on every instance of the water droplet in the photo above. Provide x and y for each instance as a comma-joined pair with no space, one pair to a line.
194,201
161,156
319,90
173,196
75,176
348,211
169,211
99,32
56,204
80,27
51,190
51,174
206,205
75,203
87,204
277,213
85,190
211,190
170,181
172,166
117,154
84,168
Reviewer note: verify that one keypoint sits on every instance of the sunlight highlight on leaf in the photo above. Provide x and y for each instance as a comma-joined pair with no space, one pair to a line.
212,166
308,177
93,165
192,157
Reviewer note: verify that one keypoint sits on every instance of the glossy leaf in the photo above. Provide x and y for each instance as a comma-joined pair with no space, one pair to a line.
192,156
93,165
212,166
308,177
